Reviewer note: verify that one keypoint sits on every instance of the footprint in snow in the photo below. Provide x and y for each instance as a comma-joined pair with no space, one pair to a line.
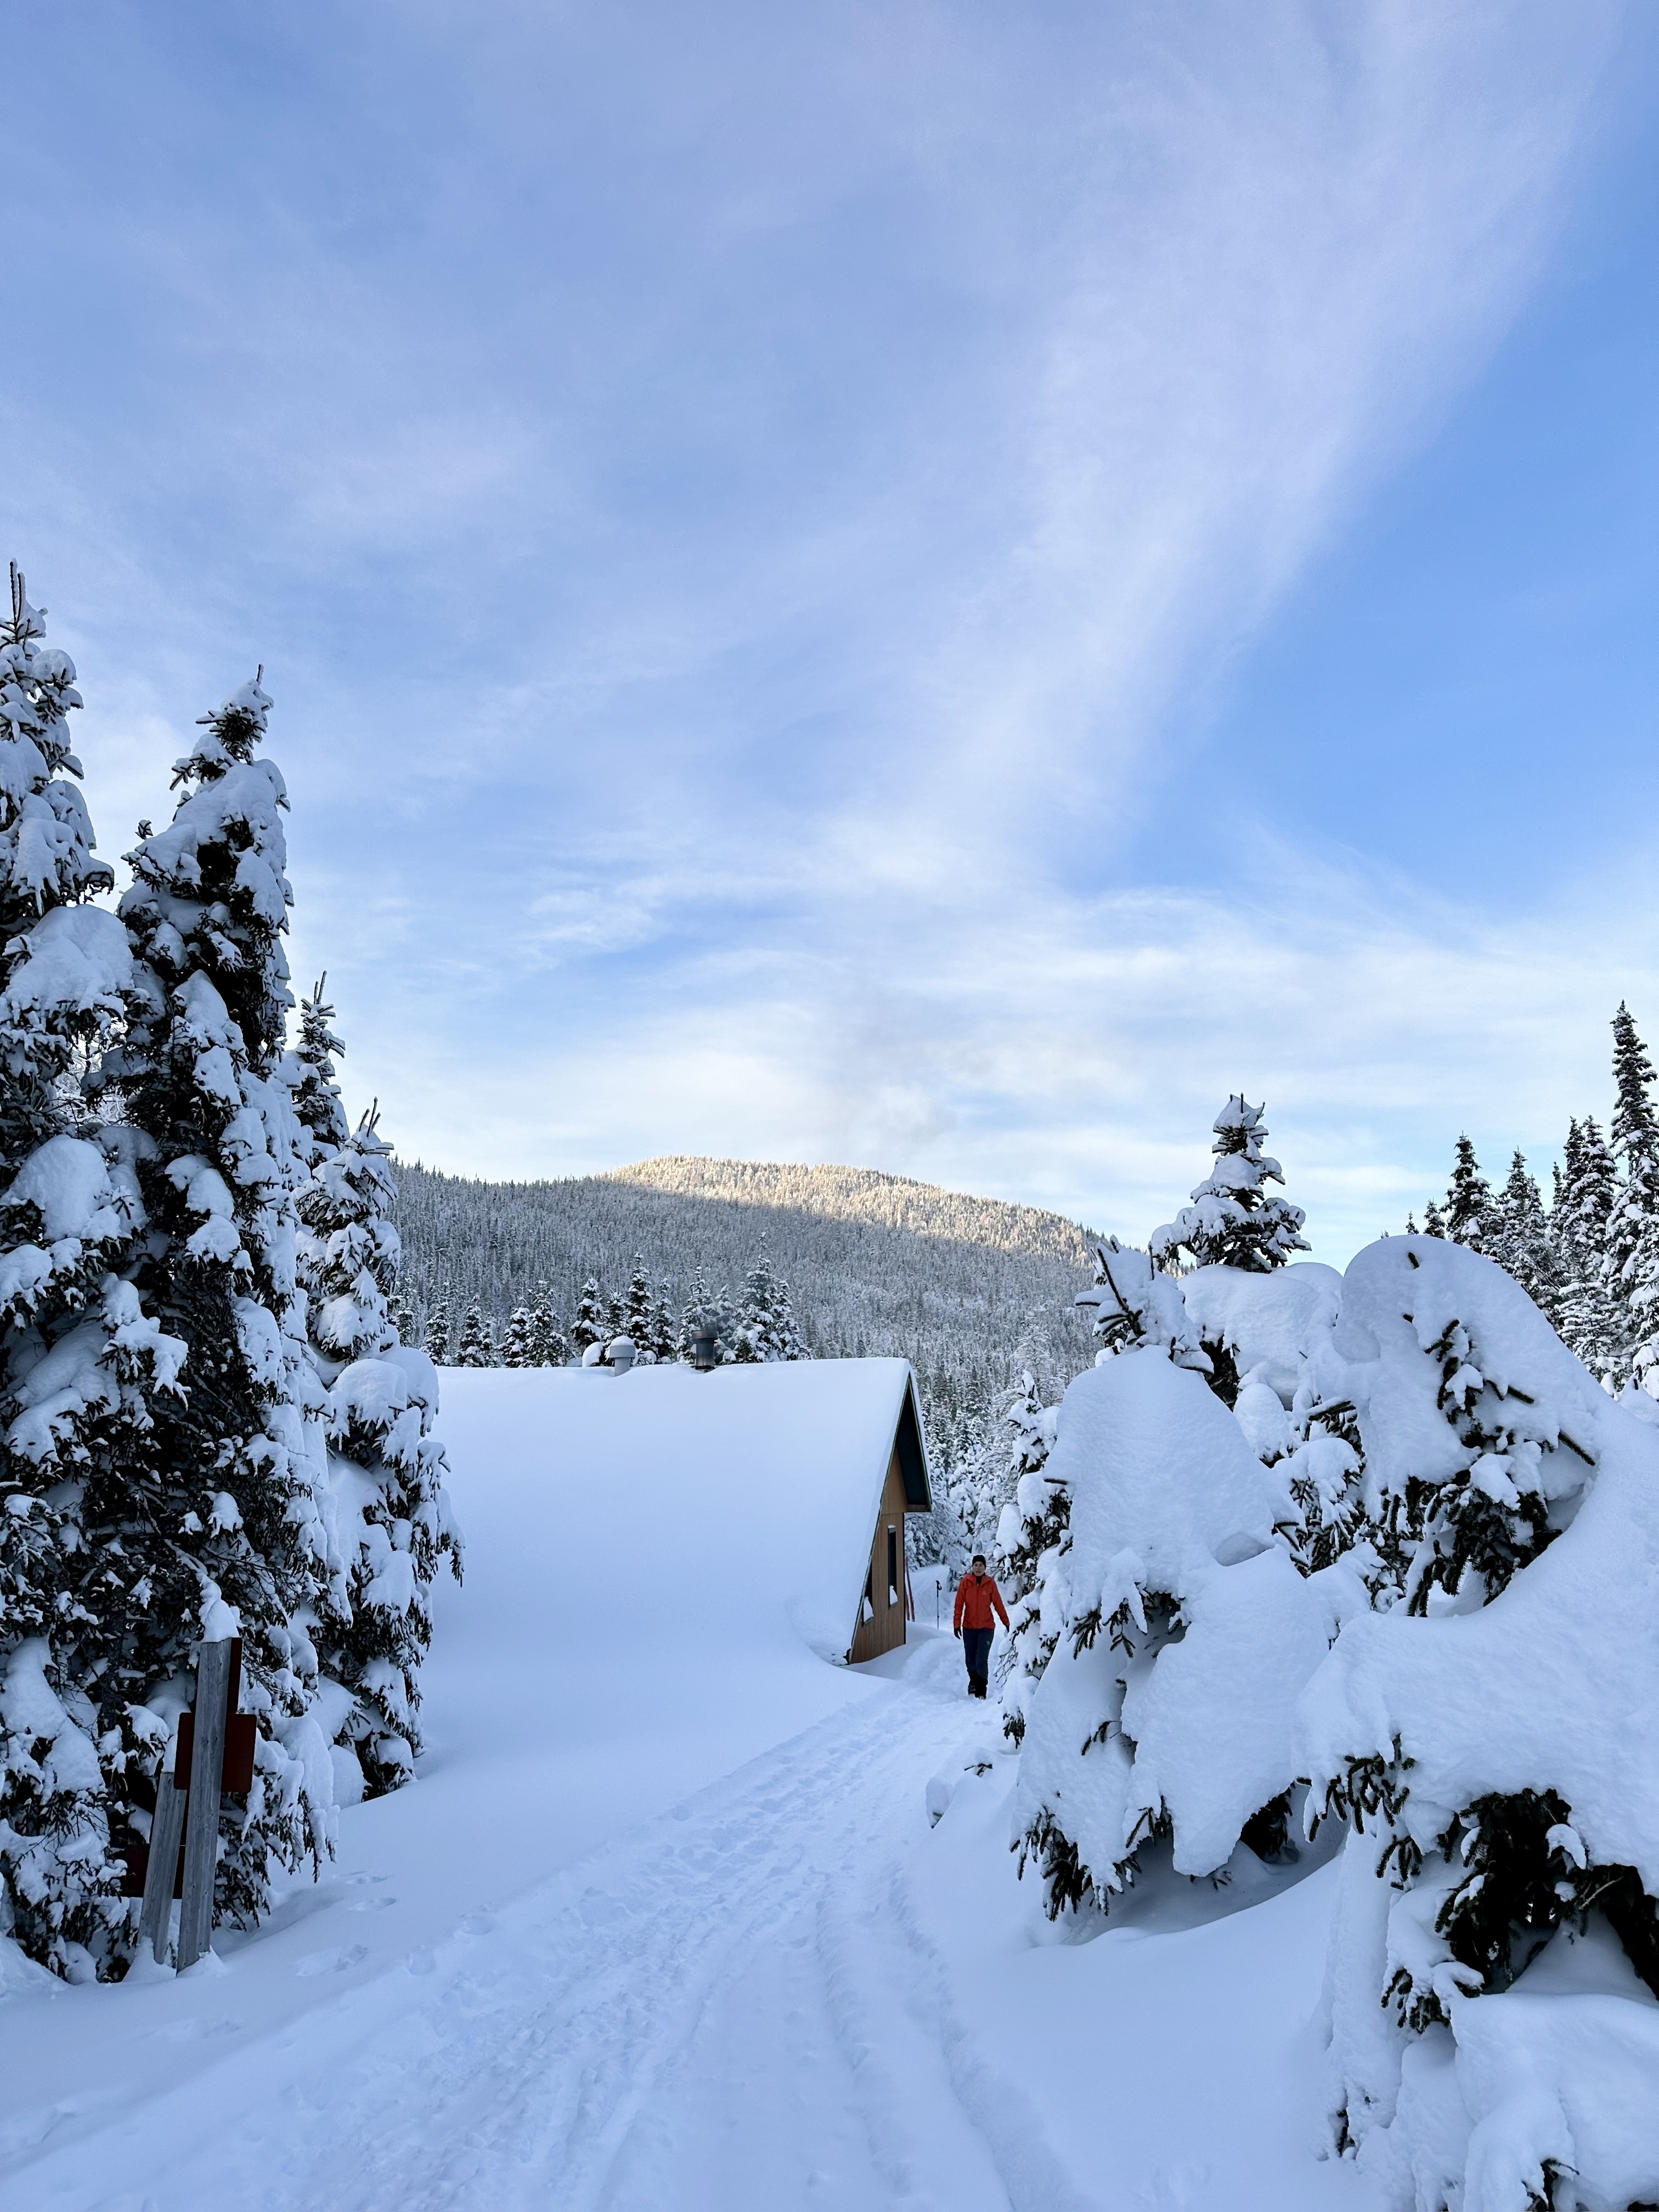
333,1961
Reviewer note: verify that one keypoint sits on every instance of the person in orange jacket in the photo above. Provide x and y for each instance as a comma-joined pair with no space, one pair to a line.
977,1597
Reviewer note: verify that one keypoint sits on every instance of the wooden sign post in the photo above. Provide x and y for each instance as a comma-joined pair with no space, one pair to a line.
214,1691
213,1753
166,1829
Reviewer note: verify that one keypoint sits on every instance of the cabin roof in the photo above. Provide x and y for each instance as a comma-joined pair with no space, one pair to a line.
798,1448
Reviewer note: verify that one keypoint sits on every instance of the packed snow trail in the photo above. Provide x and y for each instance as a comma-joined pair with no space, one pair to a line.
717,2014
664,1924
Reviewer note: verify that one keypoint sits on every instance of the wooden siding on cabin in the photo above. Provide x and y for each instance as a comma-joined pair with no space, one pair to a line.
884,1630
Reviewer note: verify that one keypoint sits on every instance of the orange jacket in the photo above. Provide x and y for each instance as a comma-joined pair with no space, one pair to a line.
976,1596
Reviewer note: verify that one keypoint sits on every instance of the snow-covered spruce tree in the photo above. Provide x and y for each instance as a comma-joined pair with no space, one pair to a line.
590,1325
701,1312
438,1331
215,1521
1234,1220
518,1348
766,1327
73,1345
664,1336
476,1348
1031,1538
1469,1201
1519,1238
1631,1265
548,1345
1587,1312
636,1316
392,1523
1434,1221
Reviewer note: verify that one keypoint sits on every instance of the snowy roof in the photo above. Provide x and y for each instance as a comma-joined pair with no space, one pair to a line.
794,1453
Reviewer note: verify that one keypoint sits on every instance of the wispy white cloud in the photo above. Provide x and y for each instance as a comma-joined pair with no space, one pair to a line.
735,507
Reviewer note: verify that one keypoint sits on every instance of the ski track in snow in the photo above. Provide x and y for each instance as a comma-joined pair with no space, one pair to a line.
735,2006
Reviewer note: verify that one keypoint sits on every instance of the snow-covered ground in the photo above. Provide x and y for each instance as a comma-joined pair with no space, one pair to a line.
666,1922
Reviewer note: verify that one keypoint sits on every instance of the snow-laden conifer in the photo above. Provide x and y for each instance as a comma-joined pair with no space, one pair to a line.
518,1346
1031,1537
637,1307
75,1353
477,1347
1434,1221
1631,1265
1234,1220
438,1326
548,1346
391,1521
216,1523
1135,1303
1588,1312
664,1336
765,1327
1520,1239
1468,1201
591,1325
700,1313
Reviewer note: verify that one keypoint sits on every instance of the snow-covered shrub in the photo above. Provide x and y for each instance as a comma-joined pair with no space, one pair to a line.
1185,1634
1133,1302
1494,2033
1469,1683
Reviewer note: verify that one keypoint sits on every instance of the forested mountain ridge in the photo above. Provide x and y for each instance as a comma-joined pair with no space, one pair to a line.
967,1288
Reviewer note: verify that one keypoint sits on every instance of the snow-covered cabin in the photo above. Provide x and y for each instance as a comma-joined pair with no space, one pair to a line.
810,1464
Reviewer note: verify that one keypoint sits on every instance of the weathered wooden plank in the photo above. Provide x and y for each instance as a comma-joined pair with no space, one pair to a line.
213,1679
156,1914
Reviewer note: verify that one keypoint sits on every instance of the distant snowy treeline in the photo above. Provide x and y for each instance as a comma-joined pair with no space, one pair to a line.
971,1291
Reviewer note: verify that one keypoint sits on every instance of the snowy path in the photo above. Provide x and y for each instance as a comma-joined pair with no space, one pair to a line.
738,2006
664,1924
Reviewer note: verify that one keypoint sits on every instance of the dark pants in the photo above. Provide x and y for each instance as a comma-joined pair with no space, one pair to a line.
976,1650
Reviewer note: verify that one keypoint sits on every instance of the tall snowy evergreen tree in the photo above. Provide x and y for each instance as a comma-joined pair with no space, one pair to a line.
1589,1316
477,1347
699,1312
1631,1266
519,1350
636,1314
1434,1221
1234,1220
75,1354
766,1327
216,1523
391,1520
1520,1237
1469,1201
438,1331
664,1336
548,1345
590,1325
1030,1543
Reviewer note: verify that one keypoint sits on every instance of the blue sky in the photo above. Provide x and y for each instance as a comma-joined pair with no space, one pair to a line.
931,585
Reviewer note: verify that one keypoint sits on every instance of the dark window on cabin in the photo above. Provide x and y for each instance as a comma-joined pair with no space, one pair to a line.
892,1566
